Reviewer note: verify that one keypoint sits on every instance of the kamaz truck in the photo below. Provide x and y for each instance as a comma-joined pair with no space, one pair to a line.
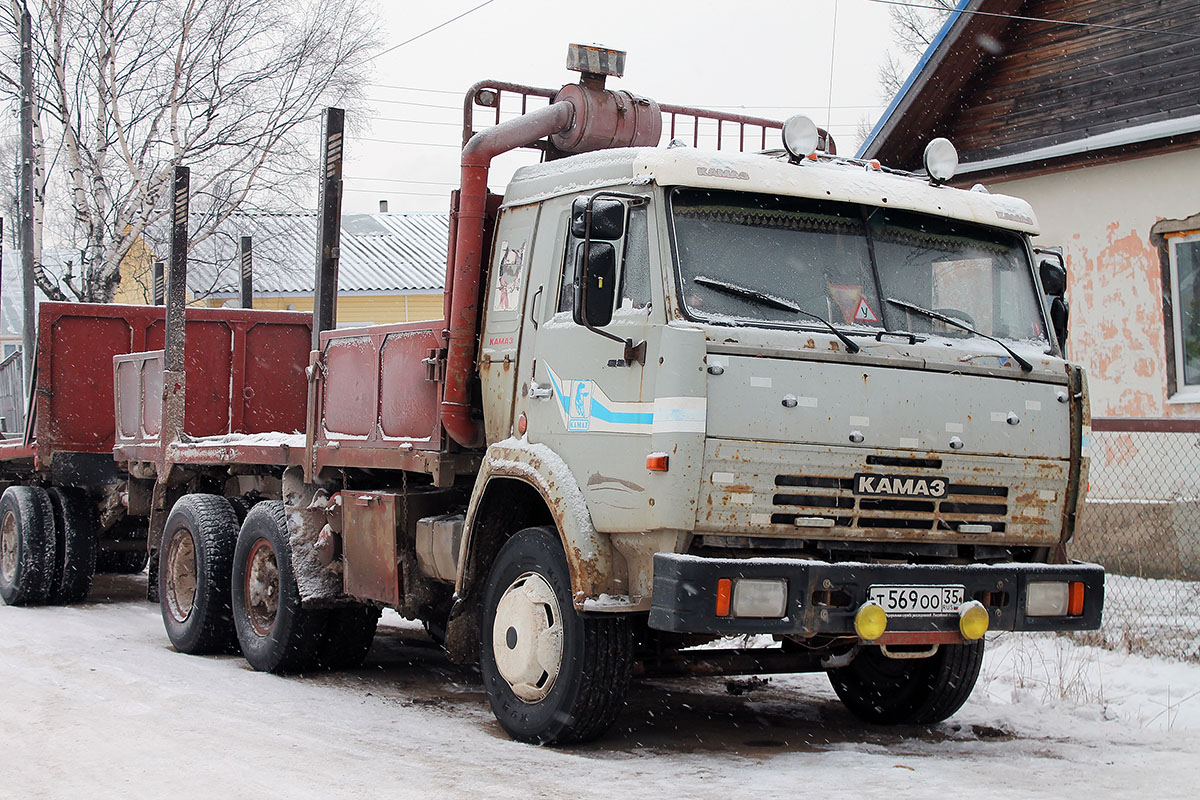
678,395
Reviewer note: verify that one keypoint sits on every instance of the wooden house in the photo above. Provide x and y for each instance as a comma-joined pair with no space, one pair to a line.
1090,110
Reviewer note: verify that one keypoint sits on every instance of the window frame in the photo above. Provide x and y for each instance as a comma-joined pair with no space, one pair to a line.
1184,392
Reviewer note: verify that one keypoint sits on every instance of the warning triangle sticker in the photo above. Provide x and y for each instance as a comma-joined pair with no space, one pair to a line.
864,313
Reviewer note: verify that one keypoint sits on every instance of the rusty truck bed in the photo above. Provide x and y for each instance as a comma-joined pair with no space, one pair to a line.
245,394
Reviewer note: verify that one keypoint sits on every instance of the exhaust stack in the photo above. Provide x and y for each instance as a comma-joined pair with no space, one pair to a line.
581,118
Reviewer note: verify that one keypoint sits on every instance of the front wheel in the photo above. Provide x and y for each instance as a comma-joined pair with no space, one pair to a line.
552,676
276,634
918,691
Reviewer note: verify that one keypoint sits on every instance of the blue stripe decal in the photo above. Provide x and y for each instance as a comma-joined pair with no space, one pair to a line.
620,417
562,396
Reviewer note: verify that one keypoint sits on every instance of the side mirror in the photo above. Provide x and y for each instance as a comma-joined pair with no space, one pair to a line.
608,219
1053,273
595,284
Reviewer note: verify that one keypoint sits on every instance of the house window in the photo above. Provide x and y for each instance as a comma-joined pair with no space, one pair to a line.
1184,254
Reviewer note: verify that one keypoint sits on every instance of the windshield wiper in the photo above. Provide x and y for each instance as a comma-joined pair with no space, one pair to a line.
774,302
1025,365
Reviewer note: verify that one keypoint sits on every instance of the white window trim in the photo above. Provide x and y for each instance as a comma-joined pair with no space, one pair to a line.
1184,393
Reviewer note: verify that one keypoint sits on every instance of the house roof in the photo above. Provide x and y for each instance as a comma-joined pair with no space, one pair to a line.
380,253
1021,85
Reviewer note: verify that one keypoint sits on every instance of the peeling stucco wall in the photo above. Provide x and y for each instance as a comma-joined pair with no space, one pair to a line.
1101,216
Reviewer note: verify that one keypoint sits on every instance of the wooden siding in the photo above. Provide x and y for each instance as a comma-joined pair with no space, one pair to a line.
1058,83
1001,86
1051,83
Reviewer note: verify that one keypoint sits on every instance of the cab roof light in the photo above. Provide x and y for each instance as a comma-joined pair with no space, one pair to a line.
941,160
800,137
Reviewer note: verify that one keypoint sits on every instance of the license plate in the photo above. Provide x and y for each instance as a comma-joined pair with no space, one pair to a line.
918,600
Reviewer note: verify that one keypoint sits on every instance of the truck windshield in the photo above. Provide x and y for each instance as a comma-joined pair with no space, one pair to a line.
794,259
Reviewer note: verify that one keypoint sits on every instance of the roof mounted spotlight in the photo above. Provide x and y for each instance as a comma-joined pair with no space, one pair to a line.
800,137
941,160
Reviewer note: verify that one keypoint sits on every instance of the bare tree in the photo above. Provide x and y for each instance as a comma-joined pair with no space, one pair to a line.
131,88
913,30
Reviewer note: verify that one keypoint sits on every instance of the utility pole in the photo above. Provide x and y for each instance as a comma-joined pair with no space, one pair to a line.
30,334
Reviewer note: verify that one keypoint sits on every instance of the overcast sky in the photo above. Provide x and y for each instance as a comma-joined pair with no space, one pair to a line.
771,57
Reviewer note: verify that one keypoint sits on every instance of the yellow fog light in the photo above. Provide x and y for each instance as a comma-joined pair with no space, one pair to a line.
973,620
870,622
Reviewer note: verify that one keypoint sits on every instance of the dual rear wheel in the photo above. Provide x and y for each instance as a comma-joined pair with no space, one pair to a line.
47,545
225,587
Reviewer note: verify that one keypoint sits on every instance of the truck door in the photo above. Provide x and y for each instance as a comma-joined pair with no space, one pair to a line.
581,398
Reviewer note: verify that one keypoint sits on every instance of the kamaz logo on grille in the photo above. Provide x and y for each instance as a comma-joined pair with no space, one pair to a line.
899,485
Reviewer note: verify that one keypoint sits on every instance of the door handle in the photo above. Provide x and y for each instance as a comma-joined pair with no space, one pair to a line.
539,392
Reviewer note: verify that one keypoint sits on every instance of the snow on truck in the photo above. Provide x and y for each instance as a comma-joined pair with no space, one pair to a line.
688,395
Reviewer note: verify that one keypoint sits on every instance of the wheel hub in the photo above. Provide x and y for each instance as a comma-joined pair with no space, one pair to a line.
8,547
262,587
527,637
181,575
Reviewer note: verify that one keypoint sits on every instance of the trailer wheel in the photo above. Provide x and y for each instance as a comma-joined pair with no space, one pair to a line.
275,632
27,545
921,691
76,524
194,568
552,675
347,638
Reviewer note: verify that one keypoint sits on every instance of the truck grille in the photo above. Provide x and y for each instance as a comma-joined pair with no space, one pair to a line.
829,501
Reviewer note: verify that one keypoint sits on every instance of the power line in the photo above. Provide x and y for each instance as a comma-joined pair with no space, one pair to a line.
417,89
734,107
1022,18
400,180
434,28
395,191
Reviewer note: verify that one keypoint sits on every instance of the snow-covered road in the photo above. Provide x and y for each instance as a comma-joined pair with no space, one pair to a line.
94,703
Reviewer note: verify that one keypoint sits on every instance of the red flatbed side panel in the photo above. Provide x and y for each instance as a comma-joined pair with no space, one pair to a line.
275,396
76,343
374,392
229,371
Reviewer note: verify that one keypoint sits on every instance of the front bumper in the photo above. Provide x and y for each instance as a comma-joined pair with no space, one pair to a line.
822,598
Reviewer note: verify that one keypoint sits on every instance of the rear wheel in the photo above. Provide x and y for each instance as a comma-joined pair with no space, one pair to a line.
76,524
27,545
194,567
921,691
552,675
275,632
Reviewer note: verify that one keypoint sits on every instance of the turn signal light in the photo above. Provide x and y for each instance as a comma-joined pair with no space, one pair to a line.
657,462
724,595
1075,604
973,620
870,621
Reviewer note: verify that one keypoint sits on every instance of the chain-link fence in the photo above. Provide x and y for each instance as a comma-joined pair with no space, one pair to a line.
1142,522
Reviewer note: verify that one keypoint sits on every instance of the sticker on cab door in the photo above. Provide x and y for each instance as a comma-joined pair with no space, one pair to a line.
508,277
